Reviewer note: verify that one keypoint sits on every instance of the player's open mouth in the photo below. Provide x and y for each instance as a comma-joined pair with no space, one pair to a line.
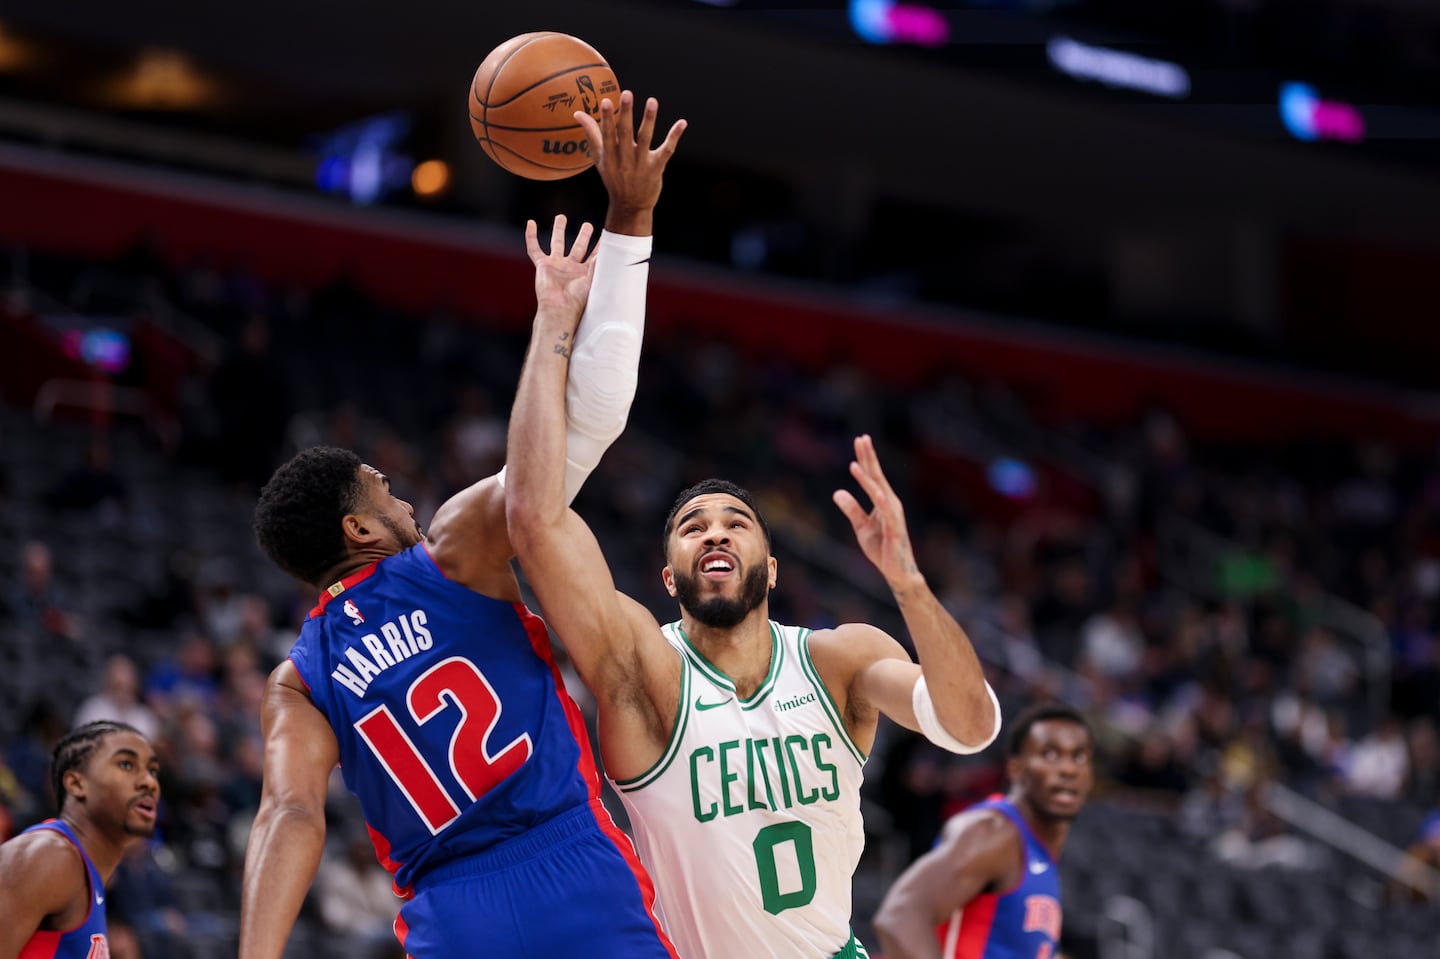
145,806
715,565
1064,794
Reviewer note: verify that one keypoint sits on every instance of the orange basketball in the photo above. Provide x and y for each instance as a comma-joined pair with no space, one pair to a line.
523,101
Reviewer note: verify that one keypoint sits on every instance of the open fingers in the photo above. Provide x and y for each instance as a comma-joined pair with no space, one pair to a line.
557,236
581,249
625,120
672,139
592,130
867,472
532,242
646,131
850,506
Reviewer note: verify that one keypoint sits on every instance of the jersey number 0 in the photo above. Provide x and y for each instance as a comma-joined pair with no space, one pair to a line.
475,766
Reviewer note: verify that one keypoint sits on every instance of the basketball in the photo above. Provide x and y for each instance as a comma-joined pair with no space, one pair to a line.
523,100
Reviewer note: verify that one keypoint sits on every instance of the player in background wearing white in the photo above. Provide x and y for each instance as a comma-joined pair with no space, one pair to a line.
736,743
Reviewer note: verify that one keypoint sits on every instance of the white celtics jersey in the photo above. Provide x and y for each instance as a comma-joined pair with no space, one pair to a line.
750,820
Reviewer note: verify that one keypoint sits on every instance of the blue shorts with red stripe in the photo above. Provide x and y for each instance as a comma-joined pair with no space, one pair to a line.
571,886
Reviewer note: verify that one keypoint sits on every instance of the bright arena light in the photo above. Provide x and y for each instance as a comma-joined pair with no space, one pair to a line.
430,179
1116,68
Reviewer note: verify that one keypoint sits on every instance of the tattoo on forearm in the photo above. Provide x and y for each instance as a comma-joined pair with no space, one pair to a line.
561,349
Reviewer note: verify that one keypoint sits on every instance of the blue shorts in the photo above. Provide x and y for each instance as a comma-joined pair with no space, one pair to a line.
569,886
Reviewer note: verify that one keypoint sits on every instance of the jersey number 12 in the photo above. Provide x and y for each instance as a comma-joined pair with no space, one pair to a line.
453,682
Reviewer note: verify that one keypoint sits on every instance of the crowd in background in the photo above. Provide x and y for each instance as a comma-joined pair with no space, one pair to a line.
1202,693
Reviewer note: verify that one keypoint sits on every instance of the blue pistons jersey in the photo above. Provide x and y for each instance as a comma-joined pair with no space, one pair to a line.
87,940
1019,923
455,729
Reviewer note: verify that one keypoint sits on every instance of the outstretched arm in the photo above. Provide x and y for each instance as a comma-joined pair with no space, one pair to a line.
468,536
962,701
288,836
606,349
978,852
563,562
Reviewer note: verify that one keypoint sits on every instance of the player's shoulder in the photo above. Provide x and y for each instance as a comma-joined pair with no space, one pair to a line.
41,856
844,650
984,822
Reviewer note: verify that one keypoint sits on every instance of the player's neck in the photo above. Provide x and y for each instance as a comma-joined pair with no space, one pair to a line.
742,652
105,851
1051,832
351,565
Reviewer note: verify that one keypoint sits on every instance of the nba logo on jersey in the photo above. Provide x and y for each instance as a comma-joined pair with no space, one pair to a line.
353,612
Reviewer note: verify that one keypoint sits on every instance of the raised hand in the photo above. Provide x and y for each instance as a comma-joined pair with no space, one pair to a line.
562,280
630,170
881,532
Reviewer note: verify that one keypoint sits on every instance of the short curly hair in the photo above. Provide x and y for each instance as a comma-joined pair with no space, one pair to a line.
297,520
1040,713
714,486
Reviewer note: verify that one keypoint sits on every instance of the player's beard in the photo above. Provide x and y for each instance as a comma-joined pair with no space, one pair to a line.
723,612
406,538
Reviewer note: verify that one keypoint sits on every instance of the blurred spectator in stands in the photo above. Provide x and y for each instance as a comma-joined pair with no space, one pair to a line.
910,789
1211,808
119,699
1380,762
475,438
1301,729
29,759
218,604
1324,668
1151,769
141,895
252,401
92,487
1418,877
38,606
255,630
1111,642
356,899
188,676
1260,839
199,814
1422,785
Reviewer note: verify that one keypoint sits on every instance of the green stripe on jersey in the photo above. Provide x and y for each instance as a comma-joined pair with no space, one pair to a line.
826,699
677,733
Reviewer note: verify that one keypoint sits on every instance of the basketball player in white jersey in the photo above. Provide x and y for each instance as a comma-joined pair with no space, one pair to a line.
736,743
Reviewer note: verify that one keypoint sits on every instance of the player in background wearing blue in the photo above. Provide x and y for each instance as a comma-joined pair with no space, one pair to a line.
422,673
53,875
991,885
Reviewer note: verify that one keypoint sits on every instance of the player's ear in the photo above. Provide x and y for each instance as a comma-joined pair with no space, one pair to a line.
774,571
668,578
357,529
74,784
1013,769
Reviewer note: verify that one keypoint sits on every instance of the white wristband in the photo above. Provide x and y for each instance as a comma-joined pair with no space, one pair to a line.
934,731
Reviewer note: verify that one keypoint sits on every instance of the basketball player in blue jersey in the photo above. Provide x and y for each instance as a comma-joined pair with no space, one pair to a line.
990,889
736,743
421,672
53,875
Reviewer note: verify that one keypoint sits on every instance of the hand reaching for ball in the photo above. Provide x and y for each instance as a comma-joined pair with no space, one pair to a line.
629,168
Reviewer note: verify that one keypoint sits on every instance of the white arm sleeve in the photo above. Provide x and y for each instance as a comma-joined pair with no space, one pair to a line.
934,731
605,360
